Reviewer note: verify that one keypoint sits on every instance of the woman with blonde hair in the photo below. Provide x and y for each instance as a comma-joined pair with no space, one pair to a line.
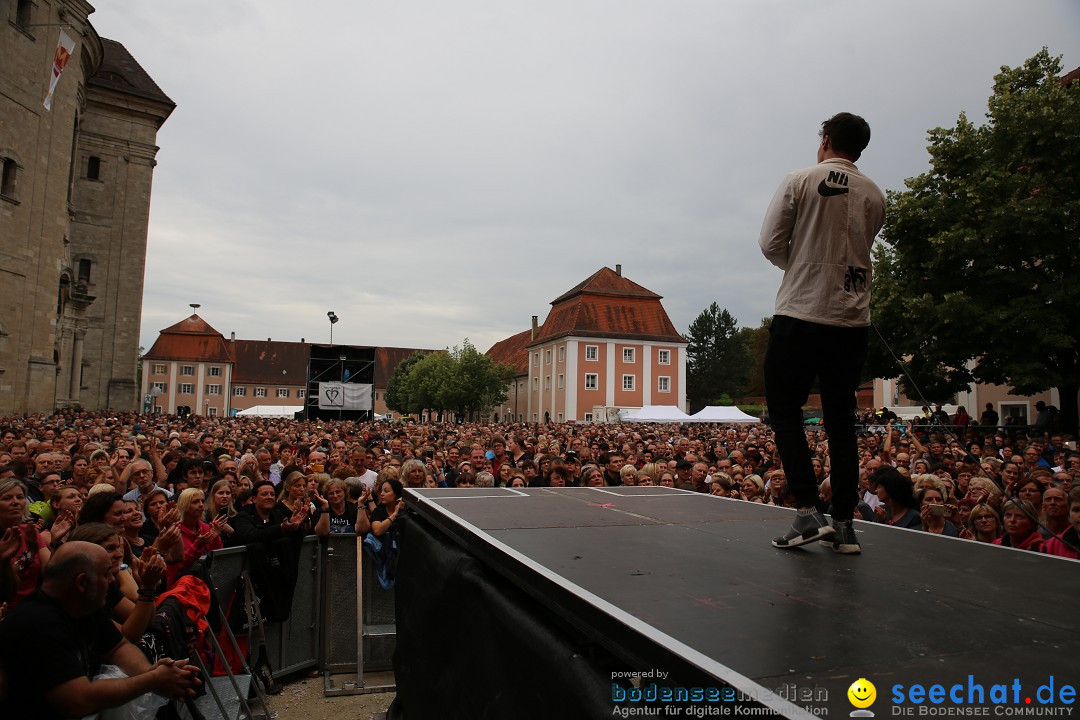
292,489
412,473
753,488
198,536
220,501
628,474
983,524
22,548
981,490
653,471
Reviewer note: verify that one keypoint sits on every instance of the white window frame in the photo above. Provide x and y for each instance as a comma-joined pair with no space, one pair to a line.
534,417
212,411
593,351
595,381
260,392
239,392
283,392
547,382
186,389
663,383
302,393
588,417
213,389
536,384
536,359
562,381
562,353
214,371
632,383
560,417
187,370
160,387
629,355
159,370
663,357
547,356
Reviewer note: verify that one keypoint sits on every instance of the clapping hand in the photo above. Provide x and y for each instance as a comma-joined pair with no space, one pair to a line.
151,568
168,538
9,543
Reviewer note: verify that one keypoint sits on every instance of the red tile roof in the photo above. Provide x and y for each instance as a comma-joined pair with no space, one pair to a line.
606,281
190,339
607,305
513,351
270,362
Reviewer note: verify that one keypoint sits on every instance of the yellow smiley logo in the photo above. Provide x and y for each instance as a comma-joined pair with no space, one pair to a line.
862,693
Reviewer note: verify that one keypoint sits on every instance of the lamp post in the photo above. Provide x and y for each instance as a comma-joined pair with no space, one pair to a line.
332,316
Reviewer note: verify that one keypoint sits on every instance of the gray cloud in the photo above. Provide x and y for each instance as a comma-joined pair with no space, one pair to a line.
434,170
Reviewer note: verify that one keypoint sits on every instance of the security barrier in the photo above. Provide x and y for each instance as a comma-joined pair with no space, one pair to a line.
359,622
342,621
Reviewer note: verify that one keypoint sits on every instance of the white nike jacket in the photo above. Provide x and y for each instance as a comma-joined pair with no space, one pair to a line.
819,229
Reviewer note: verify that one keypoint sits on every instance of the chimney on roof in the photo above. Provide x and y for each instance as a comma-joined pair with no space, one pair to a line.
301,341
618,270
232,336
534,327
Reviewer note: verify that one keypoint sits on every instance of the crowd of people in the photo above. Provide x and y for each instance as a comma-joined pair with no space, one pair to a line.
157,492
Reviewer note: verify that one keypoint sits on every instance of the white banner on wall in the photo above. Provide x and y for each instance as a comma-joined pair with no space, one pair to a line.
344,396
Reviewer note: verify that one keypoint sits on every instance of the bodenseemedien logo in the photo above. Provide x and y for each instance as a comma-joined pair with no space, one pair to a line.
862,695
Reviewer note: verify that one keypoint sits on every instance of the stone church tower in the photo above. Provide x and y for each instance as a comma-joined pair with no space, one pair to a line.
74,211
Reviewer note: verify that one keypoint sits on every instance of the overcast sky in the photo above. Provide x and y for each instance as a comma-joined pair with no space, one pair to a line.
444,169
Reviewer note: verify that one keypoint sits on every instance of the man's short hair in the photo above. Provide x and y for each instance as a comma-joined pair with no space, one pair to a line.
850,134
64,569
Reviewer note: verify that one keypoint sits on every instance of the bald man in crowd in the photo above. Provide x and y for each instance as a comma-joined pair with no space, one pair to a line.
55,642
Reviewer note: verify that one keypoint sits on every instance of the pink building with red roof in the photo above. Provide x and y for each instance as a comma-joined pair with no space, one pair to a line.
607,344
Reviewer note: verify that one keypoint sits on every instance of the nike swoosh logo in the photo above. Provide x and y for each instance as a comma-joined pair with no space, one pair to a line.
826,191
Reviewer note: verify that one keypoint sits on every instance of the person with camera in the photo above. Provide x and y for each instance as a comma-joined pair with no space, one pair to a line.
933,511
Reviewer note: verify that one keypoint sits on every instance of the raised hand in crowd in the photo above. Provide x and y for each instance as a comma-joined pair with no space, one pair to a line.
149,569
62,526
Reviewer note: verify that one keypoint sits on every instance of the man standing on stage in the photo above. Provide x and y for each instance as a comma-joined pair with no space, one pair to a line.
819,229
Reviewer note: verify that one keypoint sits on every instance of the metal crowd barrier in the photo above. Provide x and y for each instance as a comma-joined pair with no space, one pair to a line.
359,631
342,621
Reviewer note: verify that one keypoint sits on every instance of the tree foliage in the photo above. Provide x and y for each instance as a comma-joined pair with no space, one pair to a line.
757,340
977,278
460,379
398,395
718,360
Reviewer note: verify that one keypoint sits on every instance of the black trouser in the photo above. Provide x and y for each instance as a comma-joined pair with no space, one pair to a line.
799,352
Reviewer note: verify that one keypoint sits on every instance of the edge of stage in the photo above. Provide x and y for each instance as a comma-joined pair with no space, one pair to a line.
684,590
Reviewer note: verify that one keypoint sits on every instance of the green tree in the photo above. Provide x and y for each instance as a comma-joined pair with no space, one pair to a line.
398,388
460,380
718,360
757,340
478,382
977,278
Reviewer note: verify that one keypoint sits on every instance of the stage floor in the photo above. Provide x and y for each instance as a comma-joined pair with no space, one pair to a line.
688,585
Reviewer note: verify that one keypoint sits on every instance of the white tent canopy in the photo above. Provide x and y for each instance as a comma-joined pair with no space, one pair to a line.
278,411
722,414
657,413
